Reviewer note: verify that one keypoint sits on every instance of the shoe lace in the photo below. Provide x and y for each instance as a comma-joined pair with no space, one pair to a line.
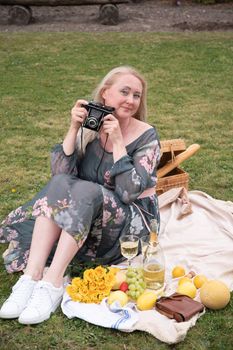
39,294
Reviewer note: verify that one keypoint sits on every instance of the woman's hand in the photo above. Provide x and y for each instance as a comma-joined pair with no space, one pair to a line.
111,127
78,114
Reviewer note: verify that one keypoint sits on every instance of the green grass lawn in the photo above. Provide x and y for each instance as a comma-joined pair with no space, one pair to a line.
190,96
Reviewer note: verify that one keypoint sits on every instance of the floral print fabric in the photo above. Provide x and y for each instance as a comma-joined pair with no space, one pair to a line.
92,198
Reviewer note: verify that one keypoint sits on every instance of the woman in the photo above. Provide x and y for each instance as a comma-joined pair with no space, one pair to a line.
101,189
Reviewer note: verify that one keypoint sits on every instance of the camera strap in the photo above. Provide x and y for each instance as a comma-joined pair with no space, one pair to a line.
81,136
97,170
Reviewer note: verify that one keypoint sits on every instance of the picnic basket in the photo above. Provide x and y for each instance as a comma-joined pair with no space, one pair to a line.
169,173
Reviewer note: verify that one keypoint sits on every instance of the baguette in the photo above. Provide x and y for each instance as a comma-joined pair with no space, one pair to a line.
178,160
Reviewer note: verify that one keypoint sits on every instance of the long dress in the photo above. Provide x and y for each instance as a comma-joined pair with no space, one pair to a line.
92,198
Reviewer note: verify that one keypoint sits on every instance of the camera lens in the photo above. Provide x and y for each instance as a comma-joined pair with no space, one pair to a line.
92,122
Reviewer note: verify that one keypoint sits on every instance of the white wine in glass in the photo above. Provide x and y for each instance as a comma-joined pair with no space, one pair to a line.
129,247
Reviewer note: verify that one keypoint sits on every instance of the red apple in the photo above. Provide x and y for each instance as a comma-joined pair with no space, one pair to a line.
124,286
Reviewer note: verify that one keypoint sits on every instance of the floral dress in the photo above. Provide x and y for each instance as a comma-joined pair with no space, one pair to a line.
92,198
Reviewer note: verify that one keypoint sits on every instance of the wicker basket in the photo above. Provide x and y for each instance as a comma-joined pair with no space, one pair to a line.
177,177
176,145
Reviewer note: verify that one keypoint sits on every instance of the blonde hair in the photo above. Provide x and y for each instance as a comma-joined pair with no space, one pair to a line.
86,136
110,79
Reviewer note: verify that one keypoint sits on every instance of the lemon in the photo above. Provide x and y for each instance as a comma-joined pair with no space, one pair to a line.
146,301
199,280
178,271
187,288
118,295
114,269
183,280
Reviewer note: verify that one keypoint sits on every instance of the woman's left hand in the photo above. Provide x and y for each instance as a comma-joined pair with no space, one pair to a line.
111,127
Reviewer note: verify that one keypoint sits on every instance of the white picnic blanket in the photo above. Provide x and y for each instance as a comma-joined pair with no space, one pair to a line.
197,232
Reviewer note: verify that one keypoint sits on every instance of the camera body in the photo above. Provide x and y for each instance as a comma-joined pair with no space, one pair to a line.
96,113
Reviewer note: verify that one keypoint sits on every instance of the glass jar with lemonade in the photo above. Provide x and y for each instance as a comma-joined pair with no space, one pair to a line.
153,259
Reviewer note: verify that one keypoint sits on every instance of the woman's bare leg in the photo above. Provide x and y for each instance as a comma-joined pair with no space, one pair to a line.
66,249
45,234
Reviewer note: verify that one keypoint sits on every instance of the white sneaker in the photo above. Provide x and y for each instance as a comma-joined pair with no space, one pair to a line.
17,301
44,300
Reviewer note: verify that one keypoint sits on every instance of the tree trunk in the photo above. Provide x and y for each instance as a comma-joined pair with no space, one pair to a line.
60,2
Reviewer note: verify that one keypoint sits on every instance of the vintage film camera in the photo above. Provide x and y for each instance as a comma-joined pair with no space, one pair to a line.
96,113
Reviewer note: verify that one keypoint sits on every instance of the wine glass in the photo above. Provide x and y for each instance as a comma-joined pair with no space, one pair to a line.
129,247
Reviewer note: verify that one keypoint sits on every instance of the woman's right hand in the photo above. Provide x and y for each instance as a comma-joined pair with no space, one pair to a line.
78,114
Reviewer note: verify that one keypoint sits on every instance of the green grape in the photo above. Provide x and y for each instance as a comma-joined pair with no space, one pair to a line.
136,283
129,280
141,290
129,274
133,294
132,287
